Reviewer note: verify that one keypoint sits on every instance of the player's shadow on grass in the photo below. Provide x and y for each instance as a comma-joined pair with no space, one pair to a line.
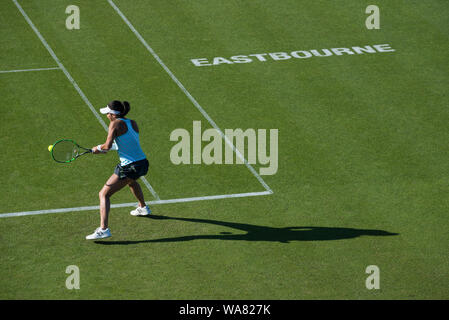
261,233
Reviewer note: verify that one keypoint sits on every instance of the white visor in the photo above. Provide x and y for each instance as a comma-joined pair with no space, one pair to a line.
106,110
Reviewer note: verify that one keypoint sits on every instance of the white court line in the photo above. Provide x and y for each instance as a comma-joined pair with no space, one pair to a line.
75,85
134,204
191,98
27,70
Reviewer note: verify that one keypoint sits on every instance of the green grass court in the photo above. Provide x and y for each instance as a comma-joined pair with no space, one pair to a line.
363,153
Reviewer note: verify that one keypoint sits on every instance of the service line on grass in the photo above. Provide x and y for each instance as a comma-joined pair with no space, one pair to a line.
134,204
75,85
191,98
28,70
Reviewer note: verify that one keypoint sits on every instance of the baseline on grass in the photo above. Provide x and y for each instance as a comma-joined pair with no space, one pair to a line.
267,191
134,204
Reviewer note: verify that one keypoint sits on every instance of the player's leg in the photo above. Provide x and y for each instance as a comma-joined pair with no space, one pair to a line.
140,168
111,186
136,190
142,209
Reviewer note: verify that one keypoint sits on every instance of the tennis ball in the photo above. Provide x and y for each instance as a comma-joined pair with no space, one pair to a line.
50,147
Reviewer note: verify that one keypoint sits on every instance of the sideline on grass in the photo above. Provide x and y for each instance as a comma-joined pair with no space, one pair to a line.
300,54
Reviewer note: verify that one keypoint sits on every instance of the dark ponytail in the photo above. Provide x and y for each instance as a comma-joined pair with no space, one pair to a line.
127,107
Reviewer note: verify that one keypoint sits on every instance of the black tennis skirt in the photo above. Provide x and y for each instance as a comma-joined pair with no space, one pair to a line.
134,170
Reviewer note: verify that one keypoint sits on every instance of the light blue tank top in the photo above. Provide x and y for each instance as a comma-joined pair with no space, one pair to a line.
128,144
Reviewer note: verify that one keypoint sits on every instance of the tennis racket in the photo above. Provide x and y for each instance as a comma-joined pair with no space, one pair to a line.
66,150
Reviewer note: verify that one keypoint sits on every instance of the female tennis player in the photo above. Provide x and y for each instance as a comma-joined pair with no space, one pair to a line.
124,133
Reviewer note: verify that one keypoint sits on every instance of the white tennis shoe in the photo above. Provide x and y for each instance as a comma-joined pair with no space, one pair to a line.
139,211
99,234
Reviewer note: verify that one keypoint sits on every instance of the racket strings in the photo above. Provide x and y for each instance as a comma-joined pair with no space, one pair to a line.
65,151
